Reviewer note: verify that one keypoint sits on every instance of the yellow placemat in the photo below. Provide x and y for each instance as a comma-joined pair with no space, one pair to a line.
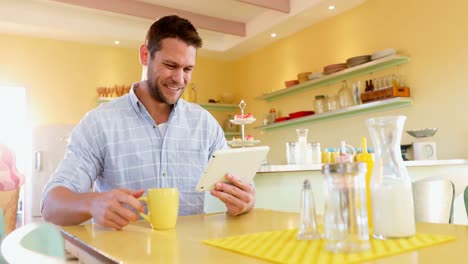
283,247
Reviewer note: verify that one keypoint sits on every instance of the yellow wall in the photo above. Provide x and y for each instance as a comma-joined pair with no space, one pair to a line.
212,77
61,76
430,32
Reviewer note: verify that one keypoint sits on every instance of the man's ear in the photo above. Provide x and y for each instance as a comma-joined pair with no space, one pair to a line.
144,55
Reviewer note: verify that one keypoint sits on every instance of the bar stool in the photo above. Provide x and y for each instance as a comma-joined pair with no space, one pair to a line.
433,200
466,200
34,243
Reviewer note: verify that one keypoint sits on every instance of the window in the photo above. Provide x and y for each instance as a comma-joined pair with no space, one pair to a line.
14,129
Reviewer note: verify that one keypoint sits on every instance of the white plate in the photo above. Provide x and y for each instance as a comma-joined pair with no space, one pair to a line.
240,143
425,132
242,121
383,53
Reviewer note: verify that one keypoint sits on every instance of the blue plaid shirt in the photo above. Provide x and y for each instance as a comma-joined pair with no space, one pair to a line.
118,145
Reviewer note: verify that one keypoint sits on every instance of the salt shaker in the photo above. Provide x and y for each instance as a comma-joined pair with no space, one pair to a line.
308,229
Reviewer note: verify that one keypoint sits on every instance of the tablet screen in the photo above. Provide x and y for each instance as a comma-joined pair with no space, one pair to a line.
240,162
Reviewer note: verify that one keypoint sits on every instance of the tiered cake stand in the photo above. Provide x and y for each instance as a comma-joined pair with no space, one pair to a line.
242,122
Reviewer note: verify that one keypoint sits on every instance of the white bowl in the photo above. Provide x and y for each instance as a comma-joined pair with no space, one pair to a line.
424,132
383,53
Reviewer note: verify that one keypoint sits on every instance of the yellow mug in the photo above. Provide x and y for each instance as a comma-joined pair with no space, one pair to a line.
163,207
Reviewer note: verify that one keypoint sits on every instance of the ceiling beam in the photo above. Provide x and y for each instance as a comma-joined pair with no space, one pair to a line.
278,5
153,12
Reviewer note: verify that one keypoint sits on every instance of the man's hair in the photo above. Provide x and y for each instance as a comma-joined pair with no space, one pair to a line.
171,27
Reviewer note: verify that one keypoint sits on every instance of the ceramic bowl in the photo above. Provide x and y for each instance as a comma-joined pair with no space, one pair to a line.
424,132
291,83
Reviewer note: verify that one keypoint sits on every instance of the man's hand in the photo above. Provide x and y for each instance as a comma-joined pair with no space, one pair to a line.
110,209
239,197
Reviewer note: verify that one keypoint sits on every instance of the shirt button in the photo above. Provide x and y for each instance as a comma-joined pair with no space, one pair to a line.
164,174
154,126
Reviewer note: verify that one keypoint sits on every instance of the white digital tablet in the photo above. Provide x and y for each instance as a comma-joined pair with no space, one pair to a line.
240,162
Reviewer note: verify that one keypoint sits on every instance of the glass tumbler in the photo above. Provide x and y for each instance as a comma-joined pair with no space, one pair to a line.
291,149
345,217
333,102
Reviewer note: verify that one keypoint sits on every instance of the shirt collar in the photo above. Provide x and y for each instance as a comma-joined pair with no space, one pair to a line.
138,106
134,102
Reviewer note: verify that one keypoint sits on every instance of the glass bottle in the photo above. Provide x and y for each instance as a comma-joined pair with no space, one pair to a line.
368,88
368,159
345,95
391,191
272,115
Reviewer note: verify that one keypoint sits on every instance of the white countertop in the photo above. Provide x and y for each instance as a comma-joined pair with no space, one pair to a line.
318,167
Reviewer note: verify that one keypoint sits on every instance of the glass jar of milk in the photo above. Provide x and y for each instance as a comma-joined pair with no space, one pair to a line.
391,191
302,150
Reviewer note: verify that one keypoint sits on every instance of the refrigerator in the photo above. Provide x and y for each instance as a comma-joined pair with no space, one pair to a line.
48,149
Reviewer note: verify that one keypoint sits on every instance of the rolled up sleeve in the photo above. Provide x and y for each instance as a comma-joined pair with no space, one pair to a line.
83,161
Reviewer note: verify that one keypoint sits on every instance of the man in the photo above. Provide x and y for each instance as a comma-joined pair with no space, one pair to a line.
149,138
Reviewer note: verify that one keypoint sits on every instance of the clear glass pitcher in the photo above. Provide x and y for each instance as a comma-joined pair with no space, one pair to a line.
345,95
391,191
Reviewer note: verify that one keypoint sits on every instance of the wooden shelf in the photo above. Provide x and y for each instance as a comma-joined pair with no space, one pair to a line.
366,68
218,107
349,111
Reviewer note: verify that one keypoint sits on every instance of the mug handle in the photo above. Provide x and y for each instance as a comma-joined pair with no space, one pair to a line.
145,216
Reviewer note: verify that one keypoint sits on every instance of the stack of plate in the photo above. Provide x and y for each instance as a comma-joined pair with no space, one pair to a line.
355,61
383,53
315,75
329,69
300,114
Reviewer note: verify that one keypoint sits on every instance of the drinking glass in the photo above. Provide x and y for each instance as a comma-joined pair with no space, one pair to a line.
345,218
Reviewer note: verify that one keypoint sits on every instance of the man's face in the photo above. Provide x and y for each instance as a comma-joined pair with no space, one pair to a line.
170,70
